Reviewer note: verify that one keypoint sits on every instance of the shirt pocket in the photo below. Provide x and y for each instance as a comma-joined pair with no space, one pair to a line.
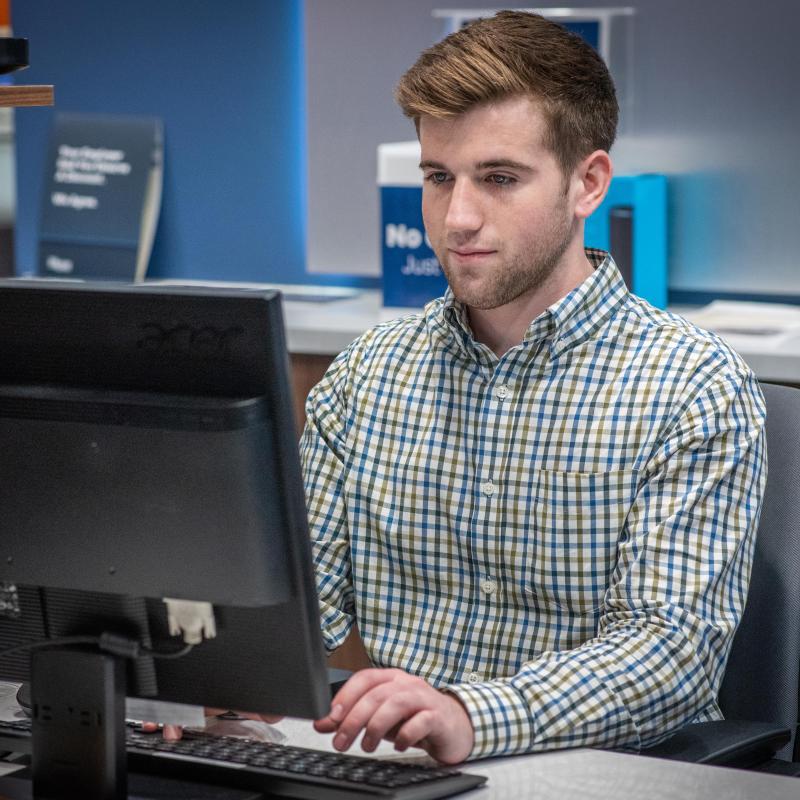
579,520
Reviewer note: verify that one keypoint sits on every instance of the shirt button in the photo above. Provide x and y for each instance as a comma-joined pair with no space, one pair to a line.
488,488
502,392
473,677
488,586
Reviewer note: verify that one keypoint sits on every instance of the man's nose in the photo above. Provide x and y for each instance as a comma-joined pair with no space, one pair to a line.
464,214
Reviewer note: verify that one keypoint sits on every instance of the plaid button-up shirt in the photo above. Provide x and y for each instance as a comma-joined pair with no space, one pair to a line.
561,536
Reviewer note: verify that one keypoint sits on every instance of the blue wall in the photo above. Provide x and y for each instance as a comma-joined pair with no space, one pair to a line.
227,79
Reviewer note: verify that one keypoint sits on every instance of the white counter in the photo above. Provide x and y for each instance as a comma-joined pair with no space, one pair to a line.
329,327
326,327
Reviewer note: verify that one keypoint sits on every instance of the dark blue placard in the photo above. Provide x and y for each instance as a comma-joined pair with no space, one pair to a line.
94,196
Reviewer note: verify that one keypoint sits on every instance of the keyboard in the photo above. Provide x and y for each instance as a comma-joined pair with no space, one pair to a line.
277,769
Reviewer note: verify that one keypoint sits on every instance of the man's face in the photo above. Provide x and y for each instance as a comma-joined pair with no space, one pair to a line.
495,202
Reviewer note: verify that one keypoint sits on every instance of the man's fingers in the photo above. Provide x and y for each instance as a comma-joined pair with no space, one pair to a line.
358,685
389,716
360,714
169,732
391,734
172,732
414,731
391,704
330,723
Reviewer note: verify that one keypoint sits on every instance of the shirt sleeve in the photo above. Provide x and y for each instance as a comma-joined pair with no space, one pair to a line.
323,457
675,599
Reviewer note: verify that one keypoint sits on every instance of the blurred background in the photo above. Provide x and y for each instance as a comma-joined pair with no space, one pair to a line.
273,111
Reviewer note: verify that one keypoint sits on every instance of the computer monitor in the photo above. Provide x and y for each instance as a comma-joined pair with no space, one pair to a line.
148,450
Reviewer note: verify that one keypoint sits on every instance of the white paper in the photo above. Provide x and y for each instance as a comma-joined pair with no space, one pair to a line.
142,710
761,327
745,318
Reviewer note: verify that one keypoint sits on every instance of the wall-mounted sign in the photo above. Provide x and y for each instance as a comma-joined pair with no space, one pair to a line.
102,197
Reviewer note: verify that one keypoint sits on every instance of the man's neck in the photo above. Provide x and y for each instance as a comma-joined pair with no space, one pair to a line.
504,327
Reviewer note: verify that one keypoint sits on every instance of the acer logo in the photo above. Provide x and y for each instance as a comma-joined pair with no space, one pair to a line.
208,341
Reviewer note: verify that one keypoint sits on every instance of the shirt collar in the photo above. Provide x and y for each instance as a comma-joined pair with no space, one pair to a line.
455,313
588,307
570,320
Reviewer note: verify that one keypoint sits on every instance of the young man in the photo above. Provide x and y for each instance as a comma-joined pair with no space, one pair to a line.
537,497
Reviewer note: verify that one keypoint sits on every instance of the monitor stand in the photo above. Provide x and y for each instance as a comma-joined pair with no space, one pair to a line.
78,724
78,737
78,731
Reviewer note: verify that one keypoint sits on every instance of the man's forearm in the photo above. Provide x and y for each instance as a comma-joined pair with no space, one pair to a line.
629,688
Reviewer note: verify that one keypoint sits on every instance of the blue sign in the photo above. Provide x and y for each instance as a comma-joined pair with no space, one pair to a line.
631,223
638,204
411,272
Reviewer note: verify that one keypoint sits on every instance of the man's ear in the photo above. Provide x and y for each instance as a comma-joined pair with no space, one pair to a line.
591,180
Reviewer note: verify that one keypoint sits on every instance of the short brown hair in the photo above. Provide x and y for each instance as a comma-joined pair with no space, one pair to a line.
518,53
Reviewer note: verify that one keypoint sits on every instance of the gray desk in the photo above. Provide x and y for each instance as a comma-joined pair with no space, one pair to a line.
327,328
591,775
595,774
563,775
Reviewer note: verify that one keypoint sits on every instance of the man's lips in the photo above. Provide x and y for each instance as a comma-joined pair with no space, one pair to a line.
471,253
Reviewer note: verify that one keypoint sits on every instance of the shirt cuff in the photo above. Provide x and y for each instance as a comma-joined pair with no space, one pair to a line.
336,625
501,719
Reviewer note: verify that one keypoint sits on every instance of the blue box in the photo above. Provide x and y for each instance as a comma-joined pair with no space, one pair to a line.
412,275
646,197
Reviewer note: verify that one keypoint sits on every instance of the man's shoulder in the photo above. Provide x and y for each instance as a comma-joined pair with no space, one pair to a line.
404,336
671,336
387,350
384,334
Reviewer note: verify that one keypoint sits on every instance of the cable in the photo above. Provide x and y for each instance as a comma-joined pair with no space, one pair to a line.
62,641
146,651
107,642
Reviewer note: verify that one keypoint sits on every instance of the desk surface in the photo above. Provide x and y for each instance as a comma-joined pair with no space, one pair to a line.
575,774
326,327
592,775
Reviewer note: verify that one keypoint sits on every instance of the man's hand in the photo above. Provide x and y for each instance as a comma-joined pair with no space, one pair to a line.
391,704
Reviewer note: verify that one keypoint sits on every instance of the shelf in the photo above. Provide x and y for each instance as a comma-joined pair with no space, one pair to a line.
26,95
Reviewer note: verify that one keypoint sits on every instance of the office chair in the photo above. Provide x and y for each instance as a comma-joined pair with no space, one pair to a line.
760,694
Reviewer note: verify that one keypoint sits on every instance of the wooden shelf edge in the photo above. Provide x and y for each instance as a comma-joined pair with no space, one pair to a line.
26,96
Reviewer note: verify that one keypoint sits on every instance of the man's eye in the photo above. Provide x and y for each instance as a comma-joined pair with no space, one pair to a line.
501,180
437,177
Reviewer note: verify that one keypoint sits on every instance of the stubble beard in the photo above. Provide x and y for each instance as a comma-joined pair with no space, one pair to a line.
525,273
